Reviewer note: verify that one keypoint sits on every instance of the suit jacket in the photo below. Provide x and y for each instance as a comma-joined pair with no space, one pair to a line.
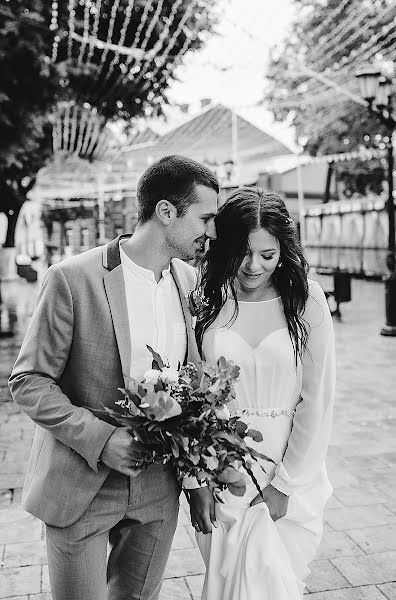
75,355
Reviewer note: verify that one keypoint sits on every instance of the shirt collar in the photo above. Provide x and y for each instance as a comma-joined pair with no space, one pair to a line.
147,274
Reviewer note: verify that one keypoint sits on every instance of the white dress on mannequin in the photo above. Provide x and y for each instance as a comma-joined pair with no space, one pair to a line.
249,556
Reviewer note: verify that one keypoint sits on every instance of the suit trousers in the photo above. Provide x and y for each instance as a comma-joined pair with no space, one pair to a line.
119,547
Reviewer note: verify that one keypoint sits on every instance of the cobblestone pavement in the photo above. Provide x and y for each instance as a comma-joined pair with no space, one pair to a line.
357,558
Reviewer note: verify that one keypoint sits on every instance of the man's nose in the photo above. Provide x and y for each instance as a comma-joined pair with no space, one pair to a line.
211,230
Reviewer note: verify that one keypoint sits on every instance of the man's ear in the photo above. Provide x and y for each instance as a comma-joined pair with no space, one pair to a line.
165,211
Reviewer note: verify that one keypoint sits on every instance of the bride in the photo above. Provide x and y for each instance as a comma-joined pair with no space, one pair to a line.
269,319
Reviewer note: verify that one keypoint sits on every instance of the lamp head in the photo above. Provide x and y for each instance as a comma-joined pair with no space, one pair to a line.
369,80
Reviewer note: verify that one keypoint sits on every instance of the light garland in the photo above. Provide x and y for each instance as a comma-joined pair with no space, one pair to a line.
69,119
370,51
66,125
95,29
131,65
338,33
110,31
369,25
99,124
362,154
72,14
74,126
322,27
87,12
135,53
161,59
54,27
88,132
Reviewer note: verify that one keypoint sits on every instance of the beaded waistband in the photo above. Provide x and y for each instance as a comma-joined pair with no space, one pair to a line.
264,412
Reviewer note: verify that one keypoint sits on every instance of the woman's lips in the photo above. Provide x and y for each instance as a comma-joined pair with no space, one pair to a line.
252,275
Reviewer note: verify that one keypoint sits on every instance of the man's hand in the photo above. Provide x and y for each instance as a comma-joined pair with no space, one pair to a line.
202,509
120,453
276,501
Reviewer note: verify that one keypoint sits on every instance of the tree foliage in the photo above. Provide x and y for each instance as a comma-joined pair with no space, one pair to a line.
333,38
104,80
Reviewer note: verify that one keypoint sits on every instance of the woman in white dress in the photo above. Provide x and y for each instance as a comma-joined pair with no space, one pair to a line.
275,324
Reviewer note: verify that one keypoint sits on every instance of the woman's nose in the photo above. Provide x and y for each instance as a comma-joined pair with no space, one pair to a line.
253,263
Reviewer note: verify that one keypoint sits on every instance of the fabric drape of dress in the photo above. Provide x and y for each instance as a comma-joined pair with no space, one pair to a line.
249,556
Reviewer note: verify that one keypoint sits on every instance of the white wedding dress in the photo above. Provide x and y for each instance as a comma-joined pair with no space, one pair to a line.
250,557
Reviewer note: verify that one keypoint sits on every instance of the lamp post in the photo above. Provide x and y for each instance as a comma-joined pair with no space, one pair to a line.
377,90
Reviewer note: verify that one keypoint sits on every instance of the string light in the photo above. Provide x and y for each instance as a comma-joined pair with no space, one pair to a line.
131,65
95,29
110,30
72,14
66,126
108,42
172,42
87,12
314,33
339,32
190,36
88,131
54,27
370,51
357,33
94,138
74,125
128,15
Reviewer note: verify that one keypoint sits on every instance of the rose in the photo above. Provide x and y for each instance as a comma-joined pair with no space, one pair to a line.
222,413
169,375
212,462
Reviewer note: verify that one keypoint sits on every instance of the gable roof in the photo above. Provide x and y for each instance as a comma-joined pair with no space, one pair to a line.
210,135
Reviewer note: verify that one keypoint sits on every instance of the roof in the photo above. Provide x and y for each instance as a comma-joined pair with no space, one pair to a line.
214,136
210,135
143,137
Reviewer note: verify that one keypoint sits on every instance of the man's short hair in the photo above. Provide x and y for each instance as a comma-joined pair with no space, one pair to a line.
173,178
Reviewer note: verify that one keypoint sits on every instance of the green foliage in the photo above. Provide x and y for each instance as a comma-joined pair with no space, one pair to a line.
334,38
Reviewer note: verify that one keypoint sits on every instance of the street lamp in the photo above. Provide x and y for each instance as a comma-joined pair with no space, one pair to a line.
377,90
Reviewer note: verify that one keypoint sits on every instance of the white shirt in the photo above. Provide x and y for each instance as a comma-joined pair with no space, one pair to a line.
155,317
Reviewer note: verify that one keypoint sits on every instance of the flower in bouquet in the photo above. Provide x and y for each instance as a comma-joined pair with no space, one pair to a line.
197,302
181,417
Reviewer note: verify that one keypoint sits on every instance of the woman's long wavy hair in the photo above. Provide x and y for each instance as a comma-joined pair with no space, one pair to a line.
246,210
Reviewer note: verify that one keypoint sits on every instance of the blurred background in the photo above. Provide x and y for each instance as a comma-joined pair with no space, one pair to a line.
93,91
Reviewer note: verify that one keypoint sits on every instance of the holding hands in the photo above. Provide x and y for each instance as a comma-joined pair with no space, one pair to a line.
202,509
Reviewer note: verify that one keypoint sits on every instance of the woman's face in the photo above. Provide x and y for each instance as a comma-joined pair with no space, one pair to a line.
260,261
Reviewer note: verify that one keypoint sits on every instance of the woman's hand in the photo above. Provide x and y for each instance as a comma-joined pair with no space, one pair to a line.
202,509
276,501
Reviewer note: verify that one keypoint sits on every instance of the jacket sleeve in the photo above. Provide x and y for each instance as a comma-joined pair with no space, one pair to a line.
309,438
39,366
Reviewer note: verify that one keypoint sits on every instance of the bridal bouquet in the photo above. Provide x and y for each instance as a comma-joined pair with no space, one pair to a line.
181,417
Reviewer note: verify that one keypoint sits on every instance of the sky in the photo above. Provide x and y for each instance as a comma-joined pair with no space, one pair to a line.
231,67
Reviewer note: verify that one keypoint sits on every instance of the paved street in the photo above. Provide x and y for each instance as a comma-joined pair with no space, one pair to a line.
357,559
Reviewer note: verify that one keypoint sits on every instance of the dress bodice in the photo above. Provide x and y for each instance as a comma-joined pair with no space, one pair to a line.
258,341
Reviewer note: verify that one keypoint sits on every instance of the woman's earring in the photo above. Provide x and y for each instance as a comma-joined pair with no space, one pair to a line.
279,265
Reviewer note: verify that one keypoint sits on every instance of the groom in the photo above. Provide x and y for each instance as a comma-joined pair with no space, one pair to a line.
94,316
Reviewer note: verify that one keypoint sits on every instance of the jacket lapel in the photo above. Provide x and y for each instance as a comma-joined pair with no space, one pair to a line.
115,291
183,288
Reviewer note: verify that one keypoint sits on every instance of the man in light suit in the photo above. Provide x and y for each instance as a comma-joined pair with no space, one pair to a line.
94,316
